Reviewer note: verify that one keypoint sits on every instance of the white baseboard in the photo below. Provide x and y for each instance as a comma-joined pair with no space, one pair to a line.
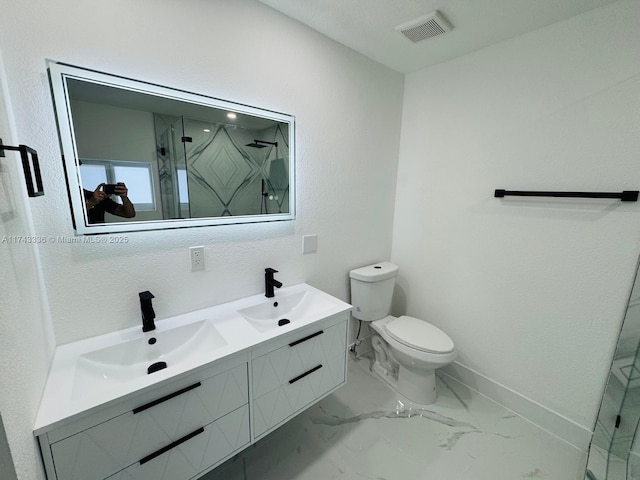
550,421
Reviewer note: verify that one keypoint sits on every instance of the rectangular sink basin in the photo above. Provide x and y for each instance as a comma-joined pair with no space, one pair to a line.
283,310
130,360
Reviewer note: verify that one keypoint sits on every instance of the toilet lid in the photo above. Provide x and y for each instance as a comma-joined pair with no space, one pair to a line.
420,335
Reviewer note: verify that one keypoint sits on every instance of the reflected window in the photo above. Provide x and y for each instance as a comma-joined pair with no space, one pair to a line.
137,176
93,175
183,187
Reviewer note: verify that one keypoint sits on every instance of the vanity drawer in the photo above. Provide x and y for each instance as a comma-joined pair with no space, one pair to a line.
108,447
197,451
296,375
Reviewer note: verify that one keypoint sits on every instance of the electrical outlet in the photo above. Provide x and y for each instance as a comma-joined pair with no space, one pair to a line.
196,257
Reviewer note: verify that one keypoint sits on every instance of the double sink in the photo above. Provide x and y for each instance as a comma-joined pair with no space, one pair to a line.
130,357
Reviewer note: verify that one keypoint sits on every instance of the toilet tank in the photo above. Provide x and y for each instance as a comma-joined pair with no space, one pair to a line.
372,290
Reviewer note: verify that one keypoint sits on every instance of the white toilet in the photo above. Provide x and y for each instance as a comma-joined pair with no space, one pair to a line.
407,350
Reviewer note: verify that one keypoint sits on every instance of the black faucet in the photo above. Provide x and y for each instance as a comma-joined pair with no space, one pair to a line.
147,311
270,282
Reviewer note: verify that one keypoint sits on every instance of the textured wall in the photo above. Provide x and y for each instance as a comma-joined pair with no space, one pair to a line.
26,337
532,291
347,108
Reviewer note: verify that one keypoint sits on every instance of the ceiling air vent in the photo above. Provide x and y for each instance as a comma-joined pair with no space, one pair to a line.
425,27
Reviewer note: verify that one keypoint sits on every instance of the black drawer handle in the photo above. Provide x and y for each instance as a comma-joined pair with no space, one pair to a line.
300,377
308,337
165,398
157,453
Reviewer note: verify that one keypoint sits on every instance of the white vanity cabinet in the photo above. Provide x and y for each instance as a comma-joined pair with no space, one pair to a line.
171,433
187,423
290,374
201,450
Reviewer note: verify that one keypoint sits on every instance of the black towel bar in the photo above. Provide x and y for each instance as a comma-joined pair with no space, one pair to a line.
625,196
30,166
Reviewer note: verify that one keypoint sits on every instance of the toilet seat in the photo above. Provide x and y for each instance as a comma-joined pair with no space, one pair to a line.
419,335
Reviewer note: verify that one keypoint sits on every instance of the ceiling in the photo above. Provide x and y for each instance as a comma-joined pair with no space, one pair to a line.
368,26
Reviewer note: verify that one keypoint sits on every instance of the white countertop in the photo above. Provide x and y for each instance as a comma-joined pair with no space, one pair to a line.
61,403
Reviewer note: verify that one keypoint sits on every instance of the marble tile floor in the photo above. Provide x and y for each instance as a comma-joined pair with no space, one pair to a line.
366,431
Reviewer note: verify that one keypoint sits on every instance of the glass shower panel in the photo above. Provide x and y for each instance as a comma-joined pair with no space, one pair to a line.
625,443
170,155
277,185
615,449
223,179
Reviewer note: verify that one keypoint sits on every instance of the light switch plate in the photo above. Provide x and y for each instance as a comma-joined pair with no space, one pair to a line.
309,243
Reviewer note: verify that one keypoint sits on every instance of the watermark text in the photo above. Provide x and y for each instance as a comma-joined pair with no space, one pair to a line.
43,239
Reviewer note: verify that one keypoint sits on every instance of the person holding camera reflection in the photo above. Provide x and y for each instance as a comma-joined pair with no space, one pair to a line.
98,202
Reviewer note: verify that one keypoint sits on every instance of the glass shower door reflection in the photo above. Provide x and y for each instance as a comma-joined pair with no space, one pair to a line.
223,179
174,198
624,444
615,449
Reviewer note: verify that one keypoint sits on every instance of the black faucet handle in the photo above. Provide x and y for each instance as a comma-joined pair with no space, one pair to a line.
270,270
146,295
148,314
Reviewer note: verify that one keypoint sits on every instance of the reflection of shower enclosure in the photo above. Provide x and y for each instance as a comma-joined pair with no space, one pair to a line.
171,167
166,167
615,449
278,181
275,185
214,173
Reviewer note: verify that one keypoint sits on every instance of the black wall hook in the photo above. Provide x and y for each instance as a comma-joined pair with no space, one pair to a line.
30,166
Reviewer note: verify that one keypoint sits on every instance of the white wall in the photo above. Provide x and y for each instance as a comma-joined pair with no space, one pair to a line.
348,112
26,337
532,291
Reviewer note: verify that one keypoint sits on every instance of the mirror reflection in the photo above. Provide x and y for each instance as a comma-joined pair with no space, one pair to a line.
148,157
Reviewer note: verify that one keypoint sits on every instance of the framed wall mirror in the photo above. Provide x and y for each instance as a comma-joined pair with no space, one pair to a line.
140,156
